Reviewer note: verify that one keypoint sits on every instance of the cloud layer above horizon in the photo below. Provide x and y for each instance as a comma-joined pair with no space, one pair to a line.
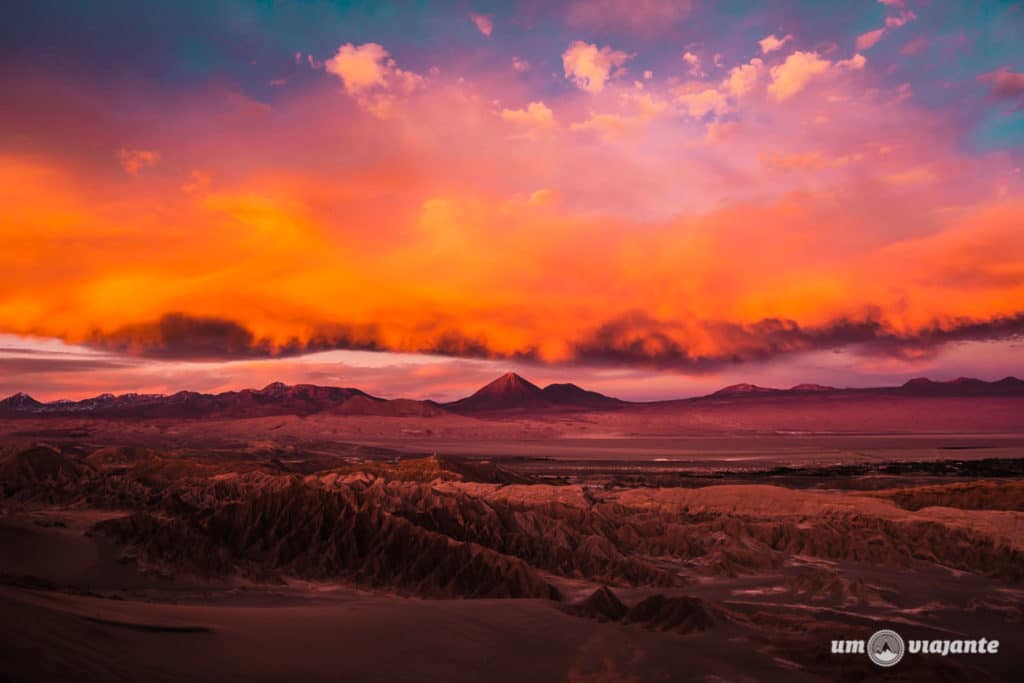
648,185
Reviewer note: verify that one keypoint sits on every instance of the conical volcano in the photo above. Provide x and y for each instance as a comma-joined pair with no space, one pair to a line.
508,392
512,392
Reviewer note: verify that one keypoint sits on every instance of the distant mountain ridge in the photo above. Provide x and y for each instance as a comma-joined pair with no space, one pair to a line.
508,394
919,386
745,390
964,386
274,399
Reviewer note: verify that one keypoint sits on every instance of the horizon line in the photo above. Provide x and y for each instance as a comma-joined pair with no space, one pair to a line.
735,385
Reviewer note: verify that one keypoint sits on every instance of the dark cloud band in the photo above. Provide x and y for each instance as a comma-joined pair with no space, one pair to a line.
634,339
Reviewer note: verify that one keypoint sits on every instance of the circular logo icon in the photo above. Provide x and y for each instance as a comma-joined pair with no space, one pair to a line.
885,647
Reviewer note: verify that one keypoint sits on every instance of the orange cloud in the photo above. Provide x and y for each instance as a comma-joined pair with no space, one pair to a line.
435,230
480,275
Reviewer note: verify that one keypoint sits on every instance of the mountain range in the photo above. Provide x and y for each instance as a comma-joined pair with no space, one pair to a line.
509,394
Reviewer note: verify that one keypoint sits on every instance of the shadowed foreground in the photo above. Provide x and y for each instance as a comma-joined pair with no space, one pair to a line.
135,563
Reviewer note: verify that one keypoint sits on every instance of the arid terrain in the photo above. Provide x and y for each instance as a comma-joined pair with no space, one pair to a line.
289,534
511,341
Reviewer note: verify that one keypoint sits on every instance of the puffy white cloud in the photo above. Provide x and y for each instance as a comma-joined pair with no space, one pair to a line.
855,62
800,68
647,106
700,103
693,62
795,73
534,115
590,67
359,67
643,106
368,73
742,79
772,43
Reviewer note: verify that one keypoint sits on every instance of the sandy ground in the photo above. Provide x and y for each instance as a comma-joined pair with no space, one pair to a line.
309,632
86,615
75,606
353,639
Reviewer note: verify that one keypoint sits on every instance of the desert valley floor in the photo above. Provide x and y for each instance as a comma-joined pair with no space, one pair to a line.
722,540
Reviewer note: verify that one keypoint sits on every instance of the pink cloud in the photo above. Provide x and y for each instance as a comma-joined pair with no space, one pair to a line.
915,46
855,62
743,79
901,19
795,73
361,67
1005,84
700,103
866,41
590,67
693,64
772,43
134,160
368,74
483,23
534,115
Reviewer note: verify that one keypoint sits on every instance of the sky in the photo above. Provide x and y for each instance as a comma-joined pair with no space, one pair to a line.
648,198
